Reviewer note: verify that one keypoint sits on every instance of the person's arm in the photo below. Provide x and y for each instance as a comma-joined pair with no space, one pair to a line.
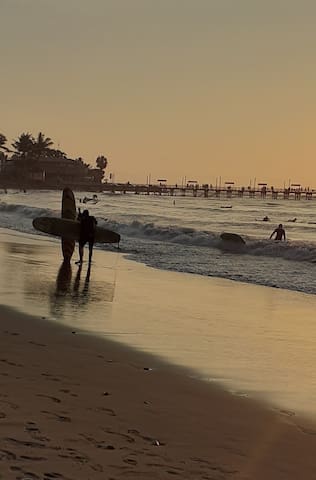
284,237
272,234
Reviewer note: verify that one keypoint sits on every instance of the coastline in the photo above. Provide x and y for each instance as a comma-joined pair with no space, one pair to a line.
78,407
77,402
255,341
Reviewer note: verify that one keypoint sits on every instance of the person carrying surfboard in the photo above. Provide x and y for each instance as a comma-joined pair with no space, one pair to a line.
87,232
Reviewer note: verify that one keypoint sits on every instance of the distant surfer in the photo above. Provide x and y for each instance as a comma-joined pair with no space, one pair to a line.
266,219
93,199
87,232
279,233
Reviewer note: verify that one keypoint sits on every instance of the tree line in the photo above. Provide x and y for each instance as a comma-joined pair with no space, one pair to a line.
29,149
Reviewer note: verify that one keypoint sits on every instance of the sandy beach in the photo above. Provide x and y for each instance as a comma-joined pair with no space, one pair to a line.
79,406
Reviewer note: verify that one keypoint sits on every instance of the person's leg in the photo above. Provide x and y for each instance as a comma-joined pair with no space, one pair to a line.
81,247
90,250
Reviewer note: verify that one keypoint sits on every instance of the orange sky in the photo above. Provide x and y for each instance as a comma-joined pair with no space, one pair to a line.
172,88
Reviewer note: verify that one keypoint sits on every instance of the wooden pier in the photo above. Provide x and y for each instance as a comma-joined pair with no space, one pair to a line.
208,191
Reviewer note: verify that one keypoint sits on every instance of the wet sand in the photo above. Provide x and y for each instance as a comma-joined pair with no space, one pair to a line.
74,406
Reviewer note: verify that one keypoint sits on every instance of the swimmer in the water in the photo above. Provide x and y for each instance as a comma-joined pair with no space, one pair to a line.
279,233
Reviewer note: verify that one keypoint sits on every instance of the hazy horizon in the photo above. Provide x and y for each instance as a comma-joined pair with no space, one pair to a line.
177,88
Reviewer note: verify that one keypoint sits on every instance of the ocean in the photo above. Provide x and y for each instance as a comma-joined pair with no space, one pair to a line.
183,233
256,341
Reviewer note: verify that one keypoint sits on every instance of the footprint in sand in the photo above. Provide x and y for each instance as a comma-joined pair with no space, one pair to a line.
97,443
10,333
12,405
108,411
32,458
128,438
27,476
24,475
305,430
37,344
65,390
35,432
56,416
52,475
74,455
7,455
12,364
25,443
31,427
151,440
130,461
54,399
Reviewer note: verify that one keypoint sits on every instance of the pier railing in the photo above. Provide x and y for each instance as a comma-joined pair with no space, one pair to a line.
193,190
209,191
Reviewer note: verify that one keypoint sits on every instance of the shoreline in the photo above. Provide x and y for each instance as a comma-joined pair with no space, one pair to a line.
93,384
79,407
244,337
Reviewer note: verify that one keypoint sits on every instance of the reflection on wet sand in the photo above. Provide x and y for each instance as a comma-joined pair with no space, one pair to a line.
63,279
77,296
27,250
31,281
20,248
85,288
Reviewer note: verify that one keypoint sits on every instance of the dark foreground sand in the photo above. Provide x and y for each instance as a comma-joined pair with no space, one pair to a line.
78,407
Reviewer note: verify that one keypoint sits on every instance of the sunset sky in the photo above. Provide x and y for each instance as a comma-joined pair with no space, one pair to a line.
172,88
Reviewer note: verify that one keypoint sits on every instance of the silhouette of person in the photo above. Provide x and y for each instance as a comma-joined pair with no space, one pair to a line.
279,233
87,232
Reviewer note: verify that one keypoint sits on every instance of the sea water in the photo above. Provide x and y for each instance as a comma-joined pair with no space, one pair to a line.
183,233
270,354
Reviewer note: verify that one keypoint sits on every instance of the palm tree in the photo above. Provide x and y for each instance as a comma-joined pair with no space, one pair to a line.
101,162
42,144
3,140
24,144
24,158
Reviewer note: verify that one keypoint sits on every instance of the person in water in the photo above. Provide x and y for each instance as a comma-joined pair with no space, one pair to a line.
279,233
87,233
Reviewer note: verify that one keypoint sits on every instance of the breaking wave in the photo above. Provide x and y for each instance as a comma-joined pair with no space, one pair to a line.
296,251
19,217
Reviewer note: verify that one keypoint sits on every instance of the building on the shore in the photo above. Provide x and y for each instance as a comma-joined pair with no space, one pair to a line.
49,172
